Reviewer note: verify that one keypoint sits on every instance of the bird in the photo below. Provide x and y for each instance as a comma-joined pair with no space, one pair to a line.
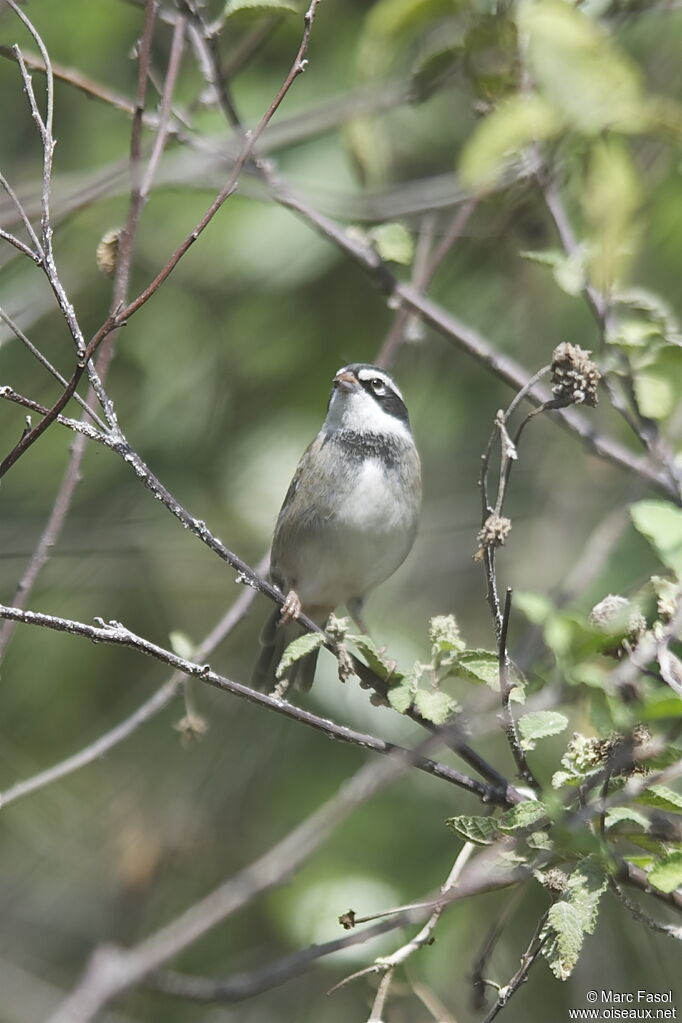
349,517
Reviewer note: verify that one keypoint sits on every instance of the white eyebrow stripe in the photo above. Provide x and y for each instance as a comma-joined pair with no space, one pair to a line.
371,374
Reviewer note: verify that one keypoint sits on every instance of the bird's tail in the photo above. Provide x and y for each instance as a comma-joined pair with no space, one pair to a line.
274,640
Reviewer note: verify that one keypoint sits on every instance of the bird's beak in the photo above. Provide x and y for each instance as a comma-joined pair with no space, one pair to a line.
345,380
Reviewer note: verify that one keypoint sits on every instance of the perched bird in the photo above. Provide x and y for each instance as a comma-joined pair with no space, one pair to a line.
349,517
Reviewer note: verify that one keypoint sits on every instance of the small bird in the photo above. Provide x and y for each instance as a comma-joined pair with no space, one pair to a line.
349,517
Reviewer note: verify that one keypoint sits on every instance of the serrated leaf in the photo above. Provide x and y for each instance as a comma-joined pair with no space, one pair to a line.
539,725
259,8
479,666
375,660
401,696
182,645
522,815
661,523
516,122
573,916
393,242
667,875
297,649
435,705
479,830
627,814
662,798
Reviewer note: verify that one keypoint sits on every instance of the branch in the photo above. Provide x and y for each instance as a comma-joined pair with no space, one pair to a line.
154,705
506,687
116,634
122,315
527,959
386,965
113,970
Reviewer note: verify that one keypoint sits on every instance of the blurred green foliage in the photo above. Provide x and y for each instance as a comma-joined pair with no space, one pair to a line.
221,380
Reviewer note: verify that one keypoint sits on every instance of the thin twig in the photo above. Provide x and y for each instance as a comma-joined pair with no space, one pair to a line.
116,634
113,970
154,705
44,361
506,687
671,930
527,959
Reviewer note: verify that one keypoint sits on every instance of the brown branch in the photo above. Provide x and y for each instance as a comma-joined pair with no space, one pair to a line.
113,970
528,958
506,687
154,705
116,634
121,316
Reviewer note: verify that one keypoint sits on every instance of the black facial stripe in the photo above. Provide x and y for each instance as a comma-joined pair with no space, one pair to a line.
390,402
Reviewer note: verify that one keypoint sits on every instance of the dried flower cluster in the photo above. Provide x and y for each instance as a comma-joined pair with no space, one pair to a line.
493,532
618,616
575,377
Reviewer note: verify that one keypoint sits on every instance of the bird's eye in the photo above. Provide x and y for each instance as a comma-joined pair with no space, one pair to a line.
377,385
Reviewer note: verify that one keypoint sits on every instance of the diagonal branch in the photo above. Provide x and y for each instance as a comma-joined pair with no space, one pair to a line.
117,635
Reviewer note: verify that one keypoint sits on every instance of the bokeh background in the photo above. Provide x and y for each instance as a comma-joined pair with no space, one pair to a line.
220,381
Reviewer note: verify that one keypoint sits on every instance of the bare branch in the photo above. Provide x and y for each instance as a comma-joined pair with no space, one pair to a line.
154,705
506,686
116,634
113,970
527,959
44,361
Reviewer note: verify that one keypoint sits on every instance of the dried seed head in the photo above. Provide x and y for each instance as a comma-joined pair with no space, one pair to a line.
618,616
554,880
574,376
493,533
107,251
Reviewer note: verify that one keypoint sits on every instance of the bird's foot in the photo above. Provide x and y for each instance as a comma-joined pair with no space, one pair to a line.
291,608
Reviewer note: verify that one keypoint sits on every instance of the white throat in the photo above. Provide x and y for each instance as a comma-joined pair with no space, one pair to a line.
358,411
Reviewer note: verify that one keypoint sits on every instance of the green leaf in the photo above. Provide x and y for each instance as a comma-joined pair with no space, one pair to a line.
661,705
479,666
667,875
569,270
534,606
379,665
539,725
661,523
182,645
627,814
434,705
573,916
298,649
259,8
522,815
393,242
479,830
515,123
662,798
611,199
401,696
579,70
658,386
